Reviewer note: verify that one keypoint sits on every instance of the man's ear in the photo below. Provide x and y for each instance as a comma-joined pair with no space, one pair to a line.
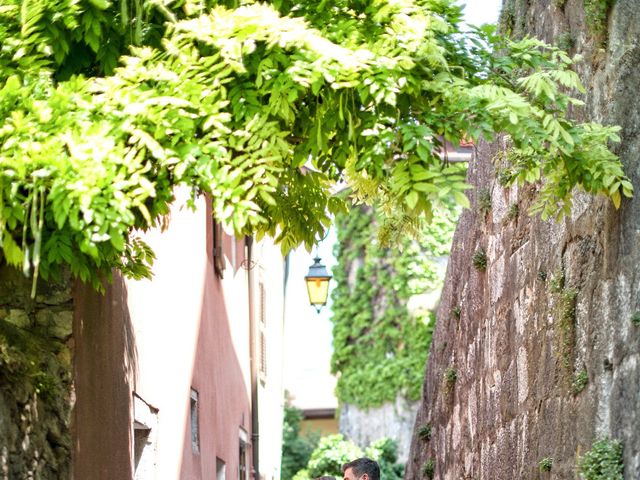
365,476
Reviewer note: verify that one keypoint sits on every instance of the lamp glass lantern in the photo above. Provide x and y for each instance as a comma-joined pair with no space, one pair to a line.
317,281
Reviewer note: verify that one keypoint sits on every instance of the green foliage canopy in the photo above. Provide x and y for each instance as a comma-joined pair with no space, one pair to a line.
233,100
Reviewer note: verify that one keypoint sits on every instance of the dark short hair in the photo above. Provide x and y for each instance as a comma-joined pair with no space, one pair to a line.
363,465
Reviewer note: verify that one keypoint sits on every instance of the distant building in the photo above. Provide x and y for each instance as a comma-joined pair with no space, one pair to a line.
308,379
180,377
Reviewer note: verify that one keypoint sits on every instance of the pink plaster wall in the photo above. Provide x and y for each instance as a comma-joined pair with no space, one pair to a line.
187,329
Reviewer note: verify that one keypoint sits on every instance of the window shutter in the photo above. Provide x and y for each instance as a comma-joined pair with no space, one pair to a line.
262,314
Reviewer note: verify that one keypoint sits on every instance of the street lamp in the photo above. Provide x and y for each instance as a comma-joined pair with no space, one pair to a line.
317,281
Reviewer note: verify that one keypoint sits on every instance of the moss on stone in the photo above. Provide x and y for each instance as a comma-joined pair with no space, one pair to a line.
484,201
545,464
479,260
595,15
450,377
566,319
429,469
580,381
424,432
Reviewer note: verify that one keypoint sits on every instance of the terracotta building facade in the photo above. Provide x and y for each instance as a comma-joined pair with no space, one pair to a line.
180,376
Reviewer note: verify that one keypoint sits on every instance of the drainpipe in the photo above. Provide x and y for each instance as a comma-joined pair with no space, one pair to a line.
255,428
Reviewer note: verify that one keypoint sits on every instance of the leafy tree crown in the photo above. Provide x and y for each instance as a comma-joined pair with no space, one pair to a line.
108,107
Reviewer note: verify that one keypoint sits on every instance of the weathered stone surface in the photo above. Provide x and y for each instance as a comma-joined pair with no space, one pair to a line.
35,379
18,317
58,324
391,420
512,402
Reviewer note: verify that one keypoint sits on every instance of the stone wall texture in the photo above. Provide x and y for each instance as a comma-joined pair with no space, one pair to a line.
36,389
514,399
391,420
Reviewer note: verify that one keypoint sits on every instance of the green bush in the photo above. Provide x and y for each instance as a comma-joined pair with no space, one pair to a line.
603,461
385,452
333,451
296,450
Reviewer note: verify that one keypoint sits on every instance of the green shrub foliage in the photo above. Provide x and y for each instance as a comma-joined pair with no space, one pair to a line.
107,107
334,451
296,449
603,461
379,347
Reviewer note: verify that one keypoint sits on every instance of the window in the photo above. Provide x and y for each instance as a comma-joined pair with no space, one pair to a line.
220,469
262,335
263,357
145,419
195,434
263,304
242,466
242,457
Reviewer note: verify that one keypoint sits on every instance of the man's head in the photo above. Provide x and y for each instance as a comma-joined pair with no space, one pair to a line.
361,469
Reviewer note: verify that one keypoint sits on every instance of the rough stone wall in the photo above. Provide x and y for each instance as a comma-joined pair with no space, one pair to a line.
36,392
391,420
514,344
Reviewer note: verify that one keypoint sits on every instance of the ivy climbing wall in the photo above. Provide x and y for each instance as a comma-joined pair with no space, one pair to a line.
382,323
534,367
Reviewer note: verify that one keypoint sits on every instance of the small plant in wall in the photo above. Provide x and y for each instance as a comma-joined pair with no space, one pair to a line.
580,381
542,275
505,177
545,464
455,311
566,318
506,21
557,281
424,432
635,319
566,41
595,13
450,377
429,468
479,260
484,200
603,461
